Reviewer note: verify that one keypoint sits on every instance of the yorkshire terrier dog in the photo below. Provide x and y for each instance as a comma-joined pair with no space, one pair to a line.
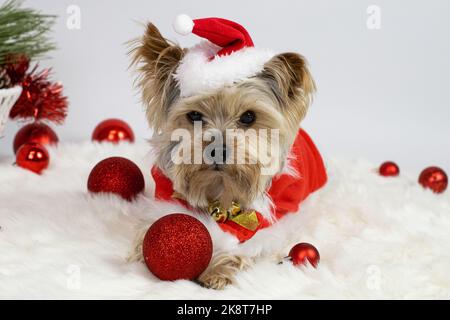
223,86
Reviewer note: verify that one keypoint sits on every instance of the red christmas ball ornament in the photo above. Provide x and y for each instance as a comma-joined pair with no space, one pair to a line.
33,157
304,251
113,130
389,169
116,175
35,132
177,246
434,178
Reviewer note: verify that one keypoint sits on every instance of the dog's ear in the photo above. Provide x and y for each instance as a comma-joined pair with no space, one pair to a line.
157,59
289,79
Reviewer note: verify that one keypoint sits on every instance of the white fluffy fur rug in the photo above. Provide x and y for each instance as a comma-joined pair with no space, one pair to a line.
378,237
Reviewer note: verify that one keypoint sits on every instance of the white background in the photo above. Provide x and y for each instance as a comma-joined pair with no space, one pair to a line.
382,94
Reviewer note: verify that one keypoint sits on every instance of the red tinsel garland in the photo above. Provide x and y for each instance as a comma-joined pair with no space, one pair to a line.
40,99
17,66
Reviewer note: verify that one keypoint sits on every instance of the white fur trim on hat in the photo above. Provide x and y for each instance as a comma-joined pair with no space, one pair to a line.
183,24
198,74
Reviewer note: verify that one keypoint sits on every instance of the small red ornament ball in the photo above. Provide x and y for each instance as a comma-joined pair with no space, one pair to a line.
113,130
35,132
116,175
304,251
177,246
389,169
434,178
32,156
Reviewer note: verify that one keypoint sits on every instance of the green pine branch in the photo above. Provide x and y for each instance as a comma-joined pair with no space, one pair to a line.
24,31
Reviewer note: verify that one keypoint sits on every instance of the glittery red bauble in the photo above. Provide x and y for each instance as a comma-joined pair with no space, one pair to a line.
113,130
116,175
304,251
32,156
389,169
434,178
35,132
177,246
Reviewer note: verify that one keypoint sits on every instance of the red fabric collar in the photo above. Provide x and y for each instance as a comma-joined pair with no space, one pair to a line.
286,191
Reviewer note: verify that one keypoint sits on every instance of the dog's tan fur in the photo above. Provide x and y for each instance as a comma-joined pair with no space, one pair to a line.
279,96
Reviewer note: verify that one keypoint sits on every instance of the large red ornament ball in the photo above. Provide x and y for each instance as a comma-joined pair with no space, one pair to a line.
117,175
32,156
304,251
113,130
389,169
177,246
35,132
434,178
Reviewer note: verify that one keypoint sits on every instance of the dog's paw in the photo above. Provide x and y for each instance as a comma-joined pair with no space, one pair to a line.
136,254
222,270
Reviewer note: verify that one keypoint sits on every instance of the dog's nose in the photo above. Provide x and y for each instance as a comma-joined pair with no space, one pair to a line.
220,151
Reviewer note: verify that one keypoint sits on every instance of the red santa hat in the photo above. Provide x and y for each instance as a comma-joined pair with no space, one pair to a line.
227,56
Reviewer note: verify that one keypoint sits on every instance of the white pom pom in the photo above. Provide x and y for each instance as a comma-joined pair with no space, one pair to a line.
183,24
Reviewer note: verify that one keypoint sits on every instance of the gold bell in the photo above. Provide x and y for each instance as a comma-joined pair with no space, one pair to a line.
218,213
235,209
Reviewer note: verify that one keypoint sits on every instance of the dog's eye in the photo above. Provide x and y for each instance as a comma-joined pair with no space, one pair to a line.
195,116
247,118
